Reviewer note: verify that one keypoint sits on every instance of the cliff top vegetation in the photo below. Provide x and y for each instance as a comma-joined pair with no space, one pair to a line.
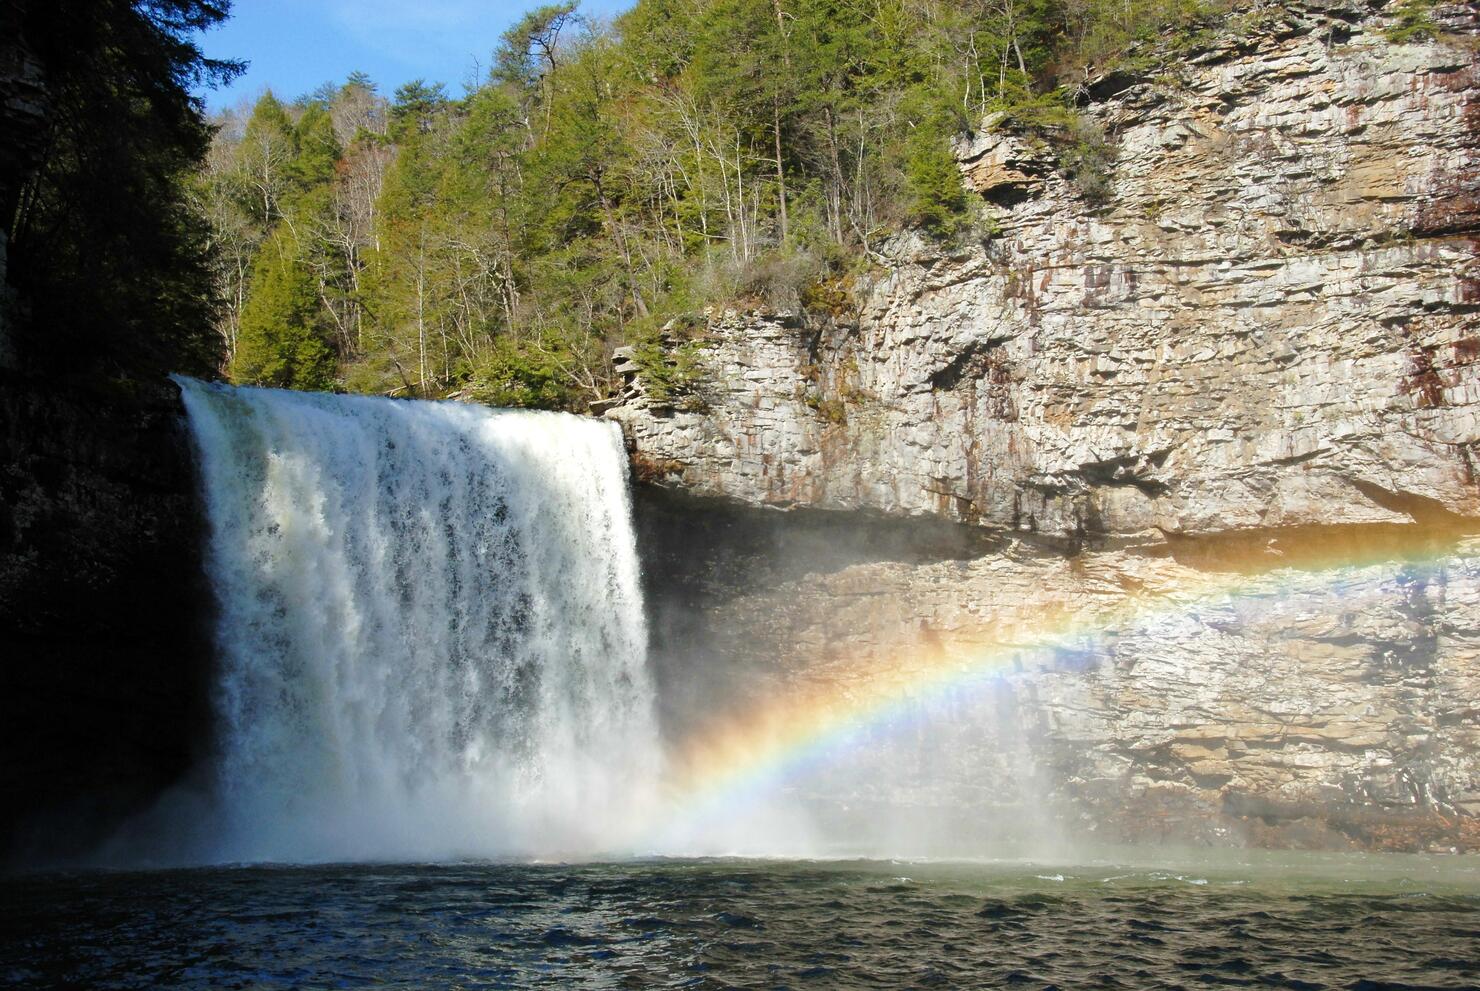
597,180
605,177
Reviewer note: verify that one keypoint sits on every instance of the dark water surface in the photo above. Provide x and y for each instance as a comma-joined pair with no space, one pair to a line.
1303,923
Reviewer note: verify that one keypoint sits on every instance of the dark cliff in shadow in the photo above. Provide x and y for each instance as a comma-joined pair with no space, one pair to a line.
103,611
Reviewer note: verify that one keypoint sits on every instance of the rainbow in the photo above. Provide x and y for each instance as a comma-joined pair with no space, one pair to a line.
742,756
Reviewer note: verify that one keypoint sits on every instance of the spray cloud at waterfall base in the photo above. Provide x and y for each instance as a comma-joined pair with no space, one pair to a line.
432,646
430,630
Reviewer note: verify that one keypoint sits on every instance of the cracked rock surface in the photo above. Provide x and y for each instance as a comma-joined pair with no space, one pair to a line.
1142,698
1274,322
1246,386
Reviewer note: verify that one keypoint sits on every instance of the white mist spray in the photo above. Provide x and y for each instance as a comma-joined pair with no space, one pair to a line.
430,630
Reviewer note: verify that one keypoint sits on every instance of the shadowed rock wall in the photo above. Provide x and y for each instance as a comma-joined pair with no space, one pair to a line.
104,644
1241,397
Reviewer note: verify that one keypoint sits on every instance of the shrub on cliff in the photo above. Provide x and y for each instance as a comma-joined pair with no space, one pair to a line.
1088,158
1413,21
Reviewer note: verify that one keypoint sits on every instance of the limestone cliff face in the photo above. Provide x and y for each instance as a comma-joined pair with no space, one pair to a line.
1273,322
1147,698
1264,341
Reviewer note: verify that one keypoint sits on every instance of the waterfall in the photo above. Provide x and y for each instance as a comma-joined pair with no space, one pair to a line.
430,631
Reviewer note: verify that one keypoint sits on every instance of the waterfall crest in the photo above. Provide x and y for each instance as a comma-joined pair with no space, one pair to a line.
430,630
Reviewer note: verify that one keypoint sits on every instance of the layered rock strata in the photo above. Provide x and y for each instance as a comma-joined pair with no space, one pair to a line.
1273,322
1245,386
1143,698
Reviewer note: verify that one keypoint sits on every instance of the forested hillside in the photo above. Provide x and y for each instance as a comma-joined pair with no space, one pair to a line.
596,180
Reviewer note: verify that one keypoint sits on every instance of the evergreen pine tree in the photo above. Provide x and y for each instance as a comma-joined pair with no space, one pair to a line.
282,343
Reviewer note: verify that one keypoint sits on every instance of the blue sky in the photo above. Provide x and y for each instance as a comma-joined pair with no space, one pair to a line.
295,45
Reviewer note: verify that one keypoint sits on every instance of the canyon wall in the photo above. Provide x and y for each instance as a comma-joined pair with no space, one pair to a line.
104,613
1244,385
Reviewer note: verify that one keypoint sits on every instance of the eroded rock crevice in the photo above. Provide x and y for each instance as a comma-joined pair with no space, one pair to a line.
1224,424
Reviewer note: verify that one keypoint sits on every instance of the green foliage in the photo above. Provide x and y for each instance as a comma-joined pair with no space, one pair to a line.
829,295
263,166
776,280
524,374
416,108
658,38
669,375
109,253
527,49
1088,158
1104,34
1413,21
605,179
269,122
317,148
834,411
937,201
375,374
281,342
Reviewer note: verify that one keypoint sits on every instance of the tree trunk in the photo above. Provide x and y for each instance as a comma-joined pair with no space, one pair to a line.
780,172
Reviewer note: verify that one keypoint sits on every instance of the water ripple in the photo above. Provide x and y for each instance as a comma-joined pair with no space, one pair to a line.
725,924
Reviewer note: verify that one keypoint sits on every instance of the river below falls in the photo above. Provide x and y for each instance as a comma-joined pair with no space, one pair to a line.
1235,919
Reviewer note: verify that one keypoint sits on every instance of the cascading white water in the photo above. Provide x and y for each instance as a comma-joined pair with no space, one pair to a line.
430,630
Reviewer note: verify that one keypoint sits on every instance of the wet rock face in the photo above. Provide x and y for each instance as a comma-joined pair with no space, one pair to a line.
699,555
1272,323
1145,699
1257,359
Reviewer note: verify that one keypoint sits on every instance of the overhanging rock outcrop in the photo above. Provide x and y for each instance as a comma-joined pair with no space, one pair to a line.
1240,398
1274,321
